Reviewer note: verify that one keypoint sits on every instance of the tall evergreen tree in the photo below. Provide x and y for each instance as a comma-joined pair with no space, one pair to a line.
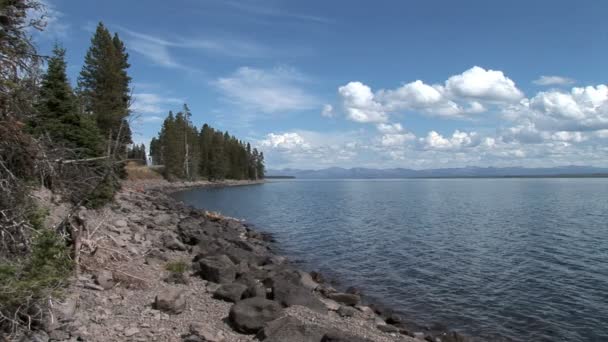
104,86
58,117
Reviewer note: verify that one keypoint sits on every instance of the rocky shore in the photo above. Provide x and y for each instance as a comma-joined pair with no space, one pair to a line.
153,269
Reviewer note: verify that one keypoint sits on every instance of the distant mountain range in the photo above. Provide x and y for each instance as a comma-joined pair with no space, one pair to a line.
367,173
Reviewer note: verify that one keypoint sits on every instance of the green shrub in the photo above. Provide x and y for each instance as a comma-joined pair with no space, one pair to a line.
103,193
178,266
36,216
27,284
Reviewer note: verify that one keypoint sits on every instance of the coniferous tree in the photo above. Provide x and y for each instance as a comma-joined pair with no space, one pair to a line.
104,86
260,166
187,153
156,152
58,117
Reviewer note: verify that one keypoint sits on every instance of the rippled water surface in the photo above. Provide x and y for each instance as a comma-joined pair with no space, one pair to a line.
516,259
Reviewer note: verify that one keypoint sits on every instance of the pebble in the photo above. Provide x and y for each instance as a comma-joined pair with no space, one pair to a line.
131,331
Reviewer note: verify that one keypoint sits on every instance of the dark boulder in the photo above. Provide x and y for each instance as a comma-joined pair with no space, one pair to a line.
230,292
218,269
250,315
189,230
288,290
291,329
345,298
254,287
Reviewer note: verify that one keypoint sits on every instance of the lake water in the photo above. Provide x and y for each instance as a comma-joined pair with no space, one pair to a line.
513,259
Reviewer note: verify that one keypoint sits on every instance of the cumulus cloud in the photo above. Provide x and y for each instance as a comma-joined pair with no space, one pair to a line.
581,109
460,96
284,141
389,128
553,81
459,139
267,90
360,103
481,84
327,111
397,139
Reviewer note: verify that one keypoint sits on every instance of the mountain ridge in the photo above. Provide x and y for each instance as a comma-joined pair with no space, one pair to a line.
469,171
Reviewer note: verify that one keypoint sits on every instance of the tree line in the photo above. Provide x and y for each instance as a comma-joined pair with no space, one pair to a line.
189,153
74,140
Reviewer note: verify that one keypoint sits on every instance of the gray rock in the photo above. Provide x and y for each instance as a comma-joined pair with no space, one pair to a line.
155,257
218,269
206,333
172,301
162,220
131,331
120,223
339,336
105,279
254,287
345,298
177,278
291,329
346,311
171,242
330,304
287,289
230,292
307,281
250,315
387,328
189,230
193,338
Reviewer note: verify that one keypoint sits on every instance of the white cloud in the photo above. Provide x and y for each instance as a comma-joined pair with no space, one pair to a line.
285,141
553,81
412,95
360,104
462,95
459,139
328,111
268,91
157,49
568,136
150,103
389,128
149,119
396,139
580,109
485,85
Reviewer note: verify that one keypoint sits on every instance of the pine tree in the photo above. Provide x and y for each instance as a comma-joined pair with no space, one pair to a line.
104,86
156,152
205,141
260,166
58,116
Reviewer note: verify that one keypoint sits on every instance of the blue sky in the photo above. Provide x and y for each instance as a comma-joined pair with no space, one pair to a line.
415,84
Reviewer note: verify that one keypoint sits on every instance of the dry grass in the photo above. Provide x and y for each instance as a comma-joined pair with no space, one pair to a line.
142,172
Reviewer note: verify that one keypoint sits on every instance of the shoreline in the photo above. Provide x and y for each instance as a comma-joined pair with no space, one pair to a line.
230,285
436,331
